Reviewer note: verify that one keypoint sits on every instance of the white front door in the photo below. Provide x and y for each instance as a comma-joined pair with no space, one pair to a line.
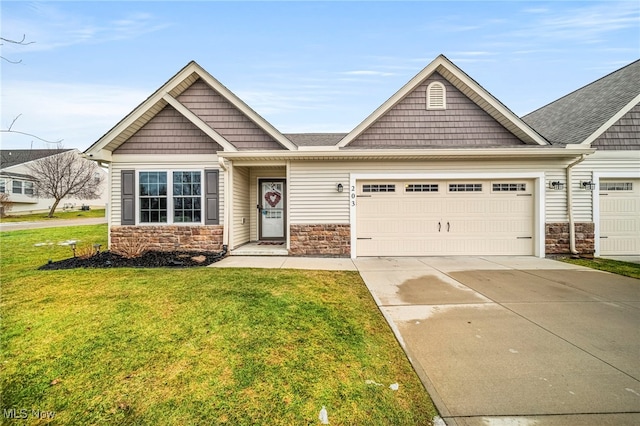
271,208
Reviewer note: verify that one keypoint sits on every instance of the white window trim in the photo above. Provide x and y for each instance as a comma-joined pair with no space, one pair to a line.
596,201
170,203
430,87
538,190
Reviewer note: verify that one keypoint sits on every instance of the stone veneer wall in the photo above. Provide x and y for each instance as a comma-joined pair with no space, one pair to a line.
170,237
557,238
320,240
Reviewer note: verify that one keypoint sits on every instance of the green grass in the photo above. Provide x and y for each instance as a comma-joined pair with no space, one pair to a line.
195,346
627,269
59,214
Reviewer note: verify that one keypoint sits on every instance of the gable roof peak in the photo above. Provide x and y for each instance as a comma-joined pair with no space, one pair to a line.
177,84
469,87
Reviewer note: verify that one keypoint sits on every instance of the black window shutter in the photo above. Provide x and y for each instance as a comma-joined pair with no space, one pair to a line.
128,197
212,197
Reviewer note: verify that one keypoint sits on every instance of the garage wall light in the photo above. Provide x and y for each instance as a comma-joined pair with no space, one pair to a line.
588,185
339,187
556,184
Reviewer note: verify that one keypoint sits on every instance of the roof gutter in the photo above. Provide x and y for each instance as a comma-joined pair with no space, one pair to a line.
407,154
572,231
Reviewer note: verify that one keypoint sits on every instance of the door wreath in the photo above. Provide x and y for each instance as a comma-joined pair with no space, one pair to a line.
272,198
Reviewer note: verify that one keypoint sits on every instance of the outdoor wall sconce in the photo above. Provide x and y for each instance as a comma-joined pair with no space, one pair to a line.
339,187
588,185
556,184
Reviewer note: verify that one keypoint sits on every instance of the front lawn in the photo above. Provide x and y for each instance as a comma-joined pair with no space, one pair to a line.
59,214
627,269
194,346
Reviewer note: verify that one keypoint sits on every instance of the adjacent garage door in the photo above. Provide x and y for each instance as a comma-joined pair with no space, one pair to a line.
431,218
619,216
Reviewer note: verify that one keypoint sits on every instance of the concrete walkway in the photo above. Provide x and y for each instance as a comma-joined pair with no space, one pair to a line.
507,340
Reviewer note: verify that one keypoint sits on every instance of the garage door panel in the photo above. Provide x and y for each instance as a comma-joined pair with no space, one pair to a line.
619,216
445,222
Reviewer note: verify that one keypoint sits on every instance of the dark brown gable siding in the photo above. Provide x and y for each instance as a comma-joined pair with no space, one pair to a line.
226,119
410,124
624,135
169,132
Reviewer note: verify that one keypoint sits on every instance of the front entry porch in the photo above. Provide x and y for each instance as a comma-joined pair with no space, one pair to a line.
261,248
257,209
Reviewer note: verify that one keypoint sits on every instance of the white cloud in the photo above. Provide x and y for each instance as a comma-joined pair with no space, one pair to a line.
51,28
77,113
368,73
587,24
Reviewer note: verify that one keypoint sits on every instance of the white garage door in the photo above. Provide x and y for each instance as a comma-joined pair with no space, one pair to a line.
619,216
431,218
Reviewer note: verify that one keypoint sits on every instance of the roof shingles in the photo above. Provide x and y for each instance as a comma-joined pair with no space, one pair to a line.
575,117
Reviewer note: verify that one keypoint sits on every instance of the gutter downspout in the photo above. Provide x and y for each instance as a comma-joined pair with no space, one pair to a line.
572,232
225,213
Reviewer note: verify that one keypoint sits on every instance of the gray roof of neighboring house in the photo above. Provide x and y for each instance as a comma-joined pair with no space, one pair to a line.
315,139
13,157
576,116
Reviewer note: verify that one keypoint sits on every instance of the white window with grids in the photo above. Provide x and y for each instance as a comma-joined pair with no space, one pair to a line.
379,187
616,186
509,187
170,197
421,187
465,187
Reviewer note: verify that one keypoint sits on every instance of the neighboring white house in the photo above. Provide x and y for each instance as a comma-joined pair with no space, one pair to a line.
441,168
15,181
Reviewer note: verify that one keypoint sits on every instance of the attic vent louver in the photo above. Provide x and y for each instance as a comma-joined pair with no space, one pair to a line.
436,96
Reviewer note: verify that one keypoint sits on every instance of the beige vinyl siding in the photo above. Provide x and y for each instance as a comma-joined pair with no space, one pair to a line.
241,207
254,175
619,162
314,198
159,163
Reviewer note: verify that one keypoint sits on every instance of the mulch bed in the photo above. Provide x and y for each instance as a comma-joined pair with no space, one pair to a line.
150,259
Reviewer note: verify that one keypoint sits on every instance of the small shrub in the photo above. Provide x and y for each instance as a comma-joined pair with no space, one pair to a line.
131,248
85,251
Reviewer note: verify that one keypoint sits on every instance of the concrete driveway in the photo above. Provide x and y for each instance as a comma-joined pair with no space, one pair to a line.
515,340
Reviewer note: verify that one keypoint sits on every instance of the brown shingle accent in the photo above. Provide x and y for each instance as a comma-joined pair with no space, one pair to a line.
623,135
225,118
169,132
461,124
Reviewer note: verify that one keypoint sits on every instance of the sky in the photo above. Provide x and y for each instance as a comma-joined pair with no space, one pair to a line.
303,66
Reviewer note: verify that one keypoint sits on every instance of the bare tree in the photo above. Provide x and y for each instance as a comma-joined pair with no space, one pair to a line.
5,204
22,42
10,129
65,175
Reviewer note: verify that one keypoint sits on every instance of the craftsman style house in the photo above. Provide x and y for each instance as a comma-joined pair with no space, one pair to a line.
441,168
